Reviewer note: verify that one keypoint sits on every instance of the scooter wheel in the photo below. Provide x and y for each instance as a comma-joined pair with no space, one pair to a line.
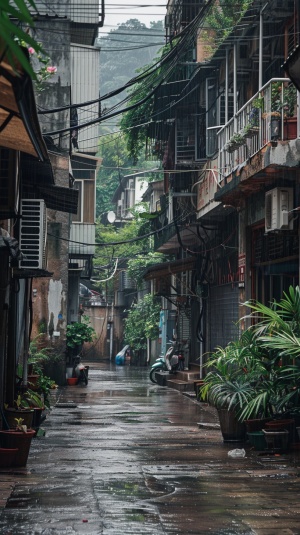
152,374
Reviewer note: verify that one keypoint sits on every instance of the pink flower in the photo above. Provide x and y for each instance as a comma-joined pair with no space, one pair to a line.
52,70
31,50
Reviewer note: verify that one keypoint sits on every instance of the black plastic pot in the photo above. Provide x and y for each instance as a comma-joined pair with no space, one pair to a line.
231,429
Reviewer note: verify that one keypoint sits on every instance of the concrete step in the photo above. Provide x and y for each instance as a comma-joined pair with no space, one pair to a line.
182,386
188,375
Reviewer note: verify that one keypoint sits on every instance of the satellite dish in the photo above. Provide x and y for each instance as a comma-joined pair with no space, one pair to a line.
111,216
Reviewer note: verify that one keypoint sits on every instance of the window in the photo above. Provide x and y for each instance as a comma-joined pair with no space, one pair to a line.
86,201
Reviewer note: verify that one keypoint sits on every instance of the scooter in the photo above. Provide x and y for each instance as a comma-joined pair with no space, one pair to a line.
80,370
170,362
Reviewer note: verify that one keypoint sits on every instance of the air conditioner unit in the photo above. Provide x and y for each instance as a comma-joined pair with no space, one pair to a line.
278,203
33,234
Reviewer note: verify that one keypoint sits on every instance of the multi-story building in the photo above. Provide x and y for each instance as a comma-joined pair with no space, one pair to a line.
231,157
70,99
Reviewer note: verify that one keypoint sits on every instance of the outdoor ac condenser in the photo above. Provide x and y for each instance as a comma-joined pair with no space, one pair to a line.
278,203
33,234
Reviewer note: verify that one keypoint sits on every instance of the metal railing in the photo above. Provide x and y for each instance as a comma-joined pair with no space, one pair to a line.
263,119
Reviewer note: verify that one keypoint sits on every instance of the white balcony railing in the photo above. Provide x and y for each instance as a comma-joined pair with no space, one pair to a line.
266,117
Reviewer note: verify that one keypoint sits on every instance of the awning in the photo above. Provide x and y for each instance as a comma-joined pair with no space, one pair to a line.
169,268
19,125
58,198
292,67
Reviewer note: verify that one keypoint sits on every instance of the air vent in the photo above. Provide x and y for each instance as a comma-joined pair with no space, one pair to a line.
33,234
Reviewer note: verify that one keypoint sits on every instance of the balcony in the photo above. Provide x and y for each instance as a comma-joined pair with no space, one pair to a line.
269,117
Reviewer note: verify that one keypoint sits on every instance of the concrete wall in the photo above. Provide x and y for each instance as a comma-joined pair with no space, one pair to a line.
50,294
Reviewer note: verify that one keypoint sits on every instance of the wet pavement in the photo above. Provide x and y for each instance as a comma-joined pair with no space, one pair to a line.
123,456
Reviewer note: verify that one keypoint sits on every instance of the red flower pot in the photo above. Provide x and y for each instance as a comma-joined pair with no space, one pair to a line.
72,381
7,457
21,441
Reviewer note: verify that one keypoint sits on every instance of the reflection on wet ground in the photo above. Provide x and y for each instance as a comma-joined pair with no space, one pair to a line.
123,456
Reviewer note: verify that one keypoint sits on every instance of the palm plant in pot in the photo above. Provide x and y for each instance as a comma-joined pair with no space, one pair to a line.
240,381
230,383
278,330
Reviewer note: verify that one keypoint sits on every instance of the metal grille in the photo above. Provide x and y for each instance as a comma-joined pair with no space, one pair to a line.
223,315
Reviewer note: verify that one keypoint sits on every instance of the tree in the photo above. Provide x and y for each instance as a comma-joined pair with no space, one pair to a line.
107,255
134,121
138,265
142,322
225,15
124,50
12,35
112,149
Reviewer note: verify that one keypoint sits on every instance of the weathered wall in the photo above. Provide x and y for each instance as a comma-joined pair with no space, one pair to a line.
57,90
50,295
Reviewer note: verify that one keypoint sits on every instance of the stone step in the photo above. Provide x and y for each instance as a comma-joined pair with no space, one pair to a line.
182,386
187,376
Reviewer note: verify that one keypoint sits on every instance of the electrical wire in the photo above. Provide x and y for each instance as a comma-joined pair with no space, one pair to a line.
185,37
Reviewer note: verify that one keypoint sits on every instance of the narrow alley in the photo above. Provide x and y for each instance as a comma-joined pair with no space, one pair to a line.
124,456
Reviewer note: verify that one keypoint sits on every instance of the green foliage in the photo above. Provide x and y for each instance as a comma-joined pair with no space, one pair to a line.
79,332
106,257
123,50
259,375
20,426
133,121
12,35
38,355
137,266
225,15
142,322
116,163
112,148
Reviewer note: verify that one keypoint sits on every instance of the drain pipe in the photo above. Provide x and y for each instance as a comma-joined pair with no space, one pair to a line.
235,103
260,52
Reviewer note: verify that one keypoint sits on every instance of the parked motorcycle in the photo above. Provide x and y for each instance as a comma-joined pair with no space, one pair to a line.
172,362
80,370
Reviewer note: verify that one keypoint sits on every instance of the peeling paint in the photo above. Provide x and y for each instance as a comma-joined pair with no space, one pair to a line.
55,296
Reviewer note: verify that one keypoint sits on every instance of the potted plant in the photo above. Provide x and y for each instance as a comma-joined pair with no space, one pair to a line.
20,409
277,328
250,130
228,388
290,111
18,438
235,142
78,333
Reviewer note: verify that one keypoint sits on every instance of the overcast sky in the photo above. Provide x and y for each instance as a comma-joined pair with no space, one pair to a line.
119,11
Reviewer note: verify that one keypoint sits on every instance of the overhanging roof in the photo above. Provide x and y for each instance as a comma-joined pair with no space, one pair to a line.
58,198
19,125
169,268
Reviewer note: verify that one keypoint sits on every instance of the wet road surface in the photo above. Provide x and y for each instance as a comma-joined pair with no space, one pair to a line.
123,456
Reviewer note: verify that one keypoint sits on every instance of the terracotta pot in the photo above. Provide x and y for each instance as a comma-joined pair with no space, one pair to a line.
72,381
290,128
21,441
7,457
